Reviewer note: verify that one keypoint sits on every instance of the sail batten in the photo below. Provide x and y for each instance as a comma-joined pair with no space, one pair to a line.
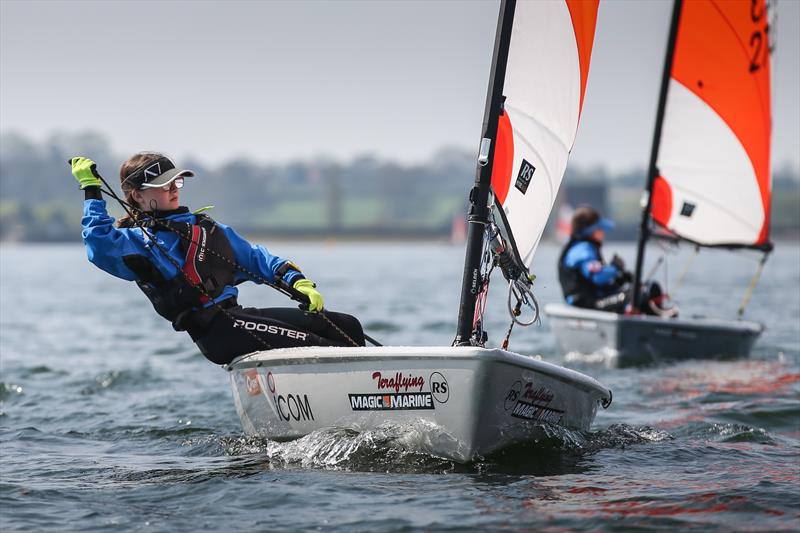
713,183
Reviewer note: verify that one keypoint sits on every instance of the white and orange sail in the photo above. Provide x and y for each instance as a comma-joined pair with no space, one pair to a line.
712,180
545,80
537,81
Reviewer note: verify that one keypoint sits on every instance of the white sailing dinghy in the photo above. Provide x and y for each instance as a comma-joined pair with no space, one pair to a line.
467,400
709,181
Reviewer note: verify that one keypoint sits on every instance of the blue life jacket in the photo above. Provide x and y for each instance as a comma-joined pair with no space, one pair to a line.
584,275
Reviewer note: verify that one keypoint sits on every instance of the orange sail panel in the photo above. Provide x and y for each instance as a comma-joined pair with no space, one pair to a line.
714,180
503,158
546,72
584,21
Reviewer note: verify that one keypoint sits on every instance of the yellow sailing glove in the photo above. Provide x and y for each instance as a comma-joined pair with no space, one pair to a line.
85,171
306,287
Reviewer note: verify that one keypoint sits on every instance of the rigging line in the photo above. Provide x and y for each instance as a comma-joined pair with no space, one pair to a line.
260,279
655,267
524,295
751,257
168,224
175,264
676,239
338,329
749,292
682,277
480,307
373,341
504,346
486,267
504,227
263,280
252,275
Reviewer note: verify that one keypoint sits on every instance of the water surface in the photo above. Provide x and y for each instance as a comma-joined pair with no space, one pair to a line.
108,418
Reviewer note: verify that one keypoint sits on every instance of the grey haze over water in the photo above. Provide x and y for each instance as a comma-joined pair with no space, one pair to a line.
276,81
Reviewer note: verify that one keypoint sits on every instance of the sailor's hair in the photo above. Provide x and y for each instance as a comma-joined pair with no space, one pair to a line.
584,217
125,170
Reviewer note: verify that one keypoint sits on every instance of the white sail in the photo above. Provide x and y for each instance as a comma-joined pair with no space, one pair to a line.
548,63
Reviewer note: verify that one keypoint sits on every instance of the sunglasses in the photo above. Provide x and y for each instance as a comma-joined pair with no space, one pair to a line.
177,182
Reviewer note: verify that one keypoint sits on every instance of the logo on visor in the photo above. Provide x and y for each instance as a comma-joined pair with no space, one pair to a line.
149,172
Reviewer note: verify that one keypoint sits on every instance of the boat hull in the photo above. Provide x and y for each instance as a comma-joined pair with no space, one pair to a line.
471,401
637,340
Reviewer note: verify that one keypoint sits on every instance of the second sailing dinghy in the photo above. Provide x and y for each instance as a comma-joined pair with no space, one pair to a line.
709,181
469,400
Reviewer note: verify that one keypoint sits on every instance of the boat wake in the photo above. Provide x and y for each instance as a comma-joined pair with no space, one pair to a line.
605,356
405,448
387,448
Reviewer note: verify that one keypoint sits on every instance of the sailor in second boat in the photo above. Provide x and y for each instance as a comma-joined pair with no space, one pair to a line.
189,273
588,281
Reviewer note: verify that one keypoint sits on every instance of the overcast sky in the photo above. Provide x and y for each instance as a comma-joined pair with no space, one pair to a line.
277,81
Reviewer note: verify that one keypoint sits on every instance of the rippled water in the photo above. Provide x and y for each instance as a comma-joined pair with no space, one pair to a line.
108,418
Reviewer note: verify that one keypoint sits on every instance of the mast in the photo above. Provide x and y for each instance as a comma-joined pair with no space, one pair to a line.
478,216
652,171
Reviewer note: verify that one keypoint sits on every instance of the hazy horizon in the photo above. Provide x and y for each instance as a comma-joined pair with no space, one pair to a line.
275,82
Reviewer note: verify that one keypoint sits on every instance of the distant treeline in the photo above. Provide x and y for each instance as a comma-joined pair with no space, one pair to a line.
40,201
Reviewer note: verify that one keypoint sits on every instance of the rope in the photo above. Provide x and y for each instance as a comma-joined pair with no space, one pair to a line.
486,267
749,292
128,207
518,289
254,276
679,281
516,312
524,295
261,279
338,329
655,267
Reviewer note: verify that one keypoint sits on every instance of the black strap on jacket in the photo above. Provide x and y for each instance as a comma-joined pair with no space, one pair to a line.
209,266
573,283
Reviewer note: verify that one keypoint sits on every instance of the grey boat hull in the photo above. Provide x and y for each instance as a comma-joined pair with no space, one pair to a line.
464,402
622,340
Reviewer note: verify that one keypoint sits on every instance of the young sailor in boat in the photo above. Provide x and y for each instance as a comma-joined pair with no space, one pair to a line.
189,273
588,281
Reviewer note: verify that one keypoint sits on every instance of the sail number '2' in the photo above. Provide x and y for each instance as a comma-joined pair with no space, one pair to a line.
759,40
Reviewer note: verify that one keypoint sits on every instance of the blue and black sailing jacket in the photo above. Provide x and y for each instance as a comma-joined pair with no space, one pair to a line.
128,253
583,274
